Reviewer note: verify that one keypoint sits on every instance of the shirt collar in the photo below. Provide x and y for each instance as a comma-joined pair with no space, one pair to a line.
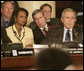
15,28
46,27
4,22
67,29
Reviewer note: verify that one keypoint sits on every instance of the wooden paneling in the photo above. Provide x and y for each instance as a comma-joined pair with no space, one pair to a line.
27,62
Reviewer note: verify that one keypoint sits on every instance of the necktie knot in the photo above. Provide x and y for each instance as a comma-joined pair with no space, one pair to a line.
68,31
46,31
6,21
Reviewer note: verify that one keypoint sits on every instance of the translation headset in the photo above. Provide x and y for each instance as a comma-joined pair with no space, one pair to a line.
15,34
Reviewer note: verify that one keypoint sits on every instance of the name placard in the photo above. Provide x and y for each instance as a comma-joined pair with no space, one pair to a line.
21,52
74,50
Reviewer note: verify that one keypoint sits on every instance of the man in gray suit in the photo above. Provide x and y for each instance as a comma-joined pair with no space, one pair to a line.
68,32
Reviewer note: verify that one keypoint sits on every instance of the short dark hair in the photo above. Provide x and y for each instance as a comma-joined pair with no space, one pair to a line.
52,59
46,5
21,9
36,11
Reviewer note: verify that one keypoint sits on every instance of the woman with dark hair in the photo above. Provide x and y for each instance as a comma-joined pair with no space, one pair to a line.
19,32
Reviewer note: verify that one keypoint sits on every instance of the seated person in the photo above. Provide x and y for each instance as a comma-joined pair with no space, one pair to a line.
18,32
41,29
68,32
47,9
53,59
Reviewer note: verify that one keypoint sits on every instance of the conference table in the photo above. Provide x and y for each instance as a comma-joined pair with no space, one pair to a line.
27,62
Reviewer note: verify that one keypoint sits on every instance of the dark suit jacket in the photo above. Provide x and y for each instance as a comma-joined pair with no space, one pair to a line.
55,35
38,35
5,39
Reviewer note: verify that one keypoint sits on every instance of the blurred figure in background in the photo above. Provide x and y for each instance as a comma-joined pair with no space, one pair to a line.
53,59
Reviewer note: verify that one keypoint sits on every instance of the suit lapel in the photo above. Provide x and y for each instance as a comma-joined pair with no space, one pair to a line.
60,34
75,34
40,32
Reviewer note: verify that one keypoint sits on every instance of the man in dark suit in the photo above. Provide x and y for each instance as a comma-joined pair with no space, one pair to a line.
41,28
68,32
69,19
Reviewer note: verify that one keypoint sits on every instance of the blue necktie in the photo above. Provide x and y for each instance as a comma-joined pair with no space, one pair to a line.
67,37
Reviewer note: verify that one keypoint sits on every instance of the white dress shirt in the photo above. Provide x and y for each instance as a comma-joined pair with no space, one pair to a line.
42,29
64,35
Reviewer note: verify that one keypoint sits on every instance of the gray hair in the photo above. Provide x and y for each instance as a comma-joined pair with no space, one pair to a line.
68,10
4,2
